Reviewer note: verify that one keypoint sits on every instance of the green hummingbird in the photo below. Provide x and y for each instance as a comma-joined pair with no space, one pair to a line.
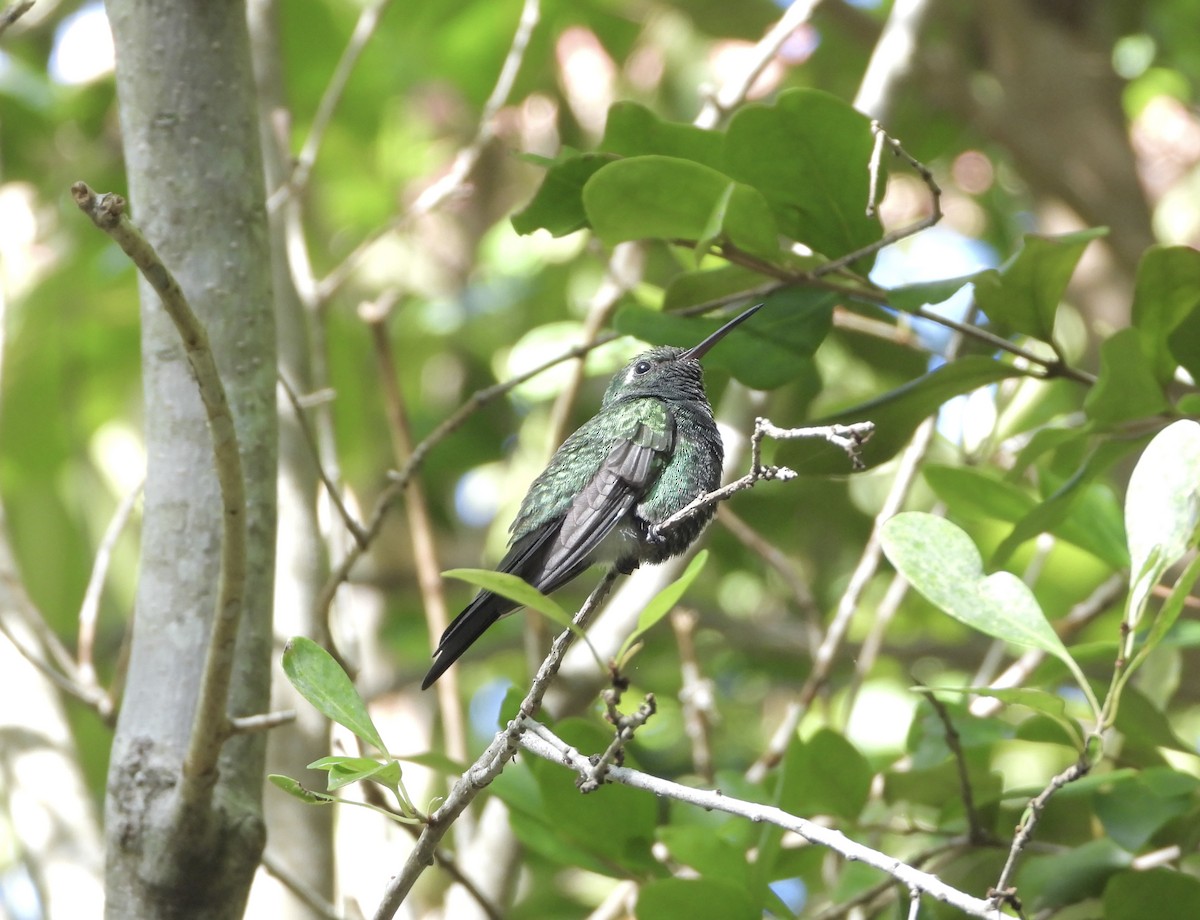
650,451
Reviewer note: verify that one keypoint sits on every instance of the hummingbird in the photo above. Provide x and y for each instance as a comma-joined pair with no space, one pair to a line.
649,452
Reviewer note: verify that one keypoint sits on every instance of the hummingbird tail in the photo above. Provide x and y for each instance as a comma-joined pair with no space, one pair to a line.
461,634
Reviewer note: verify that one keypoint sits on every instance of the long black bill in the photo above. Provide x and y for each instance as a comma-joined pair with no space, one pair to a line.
699,351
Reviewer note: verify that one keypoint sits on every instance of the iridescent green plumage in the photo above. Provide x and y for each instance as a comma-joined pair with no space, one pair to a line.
649,452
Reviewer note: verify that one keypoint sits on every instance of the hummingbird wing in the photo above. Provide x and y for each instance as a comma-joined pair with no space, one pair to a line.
552,553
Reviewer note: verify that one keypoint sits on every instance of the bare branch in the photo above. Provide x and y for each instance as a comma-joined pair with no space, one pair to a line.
310,438
615,752
265,721
733,93
535,742
211,723
975,830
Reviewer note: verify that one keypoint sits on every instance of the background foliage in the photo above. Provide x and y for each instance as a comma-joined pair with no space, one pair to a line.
1039,121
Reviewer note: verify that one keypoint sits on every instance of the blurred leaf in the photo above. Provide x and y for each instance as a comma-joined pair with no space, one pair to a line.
633,130
808,154
896,415
766,352
694,899
1133,809
321,681
1127,388
1051,881
1162,508
1041,701
1023,295
668,198
1165,297
1151,893
663,603
709,284
1095,526
833,777
711,855
1080,511
557,205
911,297
1145,725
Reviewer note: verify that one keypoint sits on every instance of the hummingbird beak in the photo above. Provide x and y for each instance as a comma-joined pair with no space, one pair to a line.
699,351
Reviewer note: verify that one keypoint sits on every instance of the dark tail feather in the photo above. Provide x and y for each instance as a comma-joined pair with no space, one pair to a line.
461,634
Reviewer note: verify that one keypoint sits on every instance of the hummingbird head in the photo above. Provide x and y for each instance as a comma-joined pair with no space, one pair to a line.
667,371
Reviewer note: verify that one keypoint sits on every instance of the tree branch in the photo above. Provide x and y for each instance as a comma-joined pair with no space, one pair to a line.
538,743
211,725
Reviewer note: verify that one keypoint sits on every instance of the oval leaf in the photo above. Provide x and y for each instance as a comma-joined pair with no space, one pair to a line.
515,589
321,681
942,563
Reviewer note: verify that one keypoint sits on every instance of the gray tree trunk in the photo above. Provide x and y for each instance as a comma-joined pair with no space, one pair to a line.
190,133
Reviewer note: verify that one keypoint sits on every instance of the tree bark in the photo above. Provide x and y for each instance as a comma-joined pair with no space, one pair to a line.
190,133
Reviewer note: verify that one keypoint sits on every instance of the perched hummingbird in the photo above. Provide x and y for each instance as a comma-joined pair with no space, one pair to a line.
651,449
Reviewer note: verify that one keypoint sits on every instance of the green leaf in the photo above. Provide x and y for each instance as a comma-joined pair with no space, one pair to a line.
834,777
773,348
707,285
1151,893
942,563
657,197
1080,872
1133,809
695,899
1162,508
1039,701
346,770
1023,295
911,297
557,205
1127,388
896,415
711,855
633,130
321,681
1165,297
1081,511
514,588
808,155
663,603
293,788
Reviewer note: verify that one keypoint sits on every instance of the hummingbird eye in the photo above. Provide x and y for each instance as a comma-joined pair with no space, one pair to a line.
642,367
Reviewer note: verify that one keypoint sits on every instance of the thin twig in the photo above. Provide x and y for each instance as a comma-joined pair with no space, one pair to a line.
368,22
464,163
564,755
331,489
733,92
264,721
848,437
615,752
490,763
425,553
211,720
13,13
696,696
1001,892
311,898
975,830
89,608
